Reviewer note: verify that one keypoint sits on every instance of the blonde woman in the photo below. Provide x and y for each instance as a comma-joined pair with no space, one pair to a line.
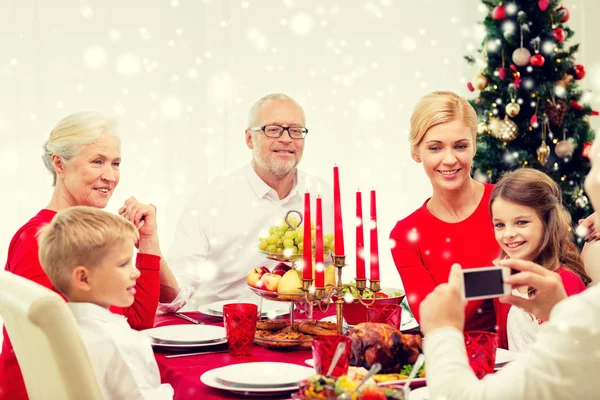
454,225
84,155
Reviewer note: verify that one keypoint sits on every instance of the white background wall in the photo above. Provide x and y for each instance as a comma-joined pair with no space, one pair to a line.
180,76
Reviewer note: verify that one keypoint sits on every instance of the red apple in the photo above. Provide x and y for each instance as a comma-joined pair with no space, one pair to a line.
283,267
270,282
254,276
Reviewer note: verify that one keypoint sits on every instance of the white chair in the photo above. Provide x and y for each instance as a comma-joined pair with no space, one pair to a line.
45,336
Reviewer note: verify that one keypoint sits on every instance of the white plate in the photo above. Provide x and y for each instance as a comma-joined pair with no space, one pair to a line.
210,378
176,346
310,362
264,374
187,334
270,309
504,356
410,324
419,394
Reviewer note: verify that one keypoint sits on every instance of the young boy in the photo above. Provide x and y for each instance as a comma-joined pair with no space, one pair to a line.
87,254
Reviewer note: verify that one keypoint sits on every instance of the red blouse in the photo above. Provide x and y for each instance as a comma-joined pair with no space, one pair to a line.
426,247
23,260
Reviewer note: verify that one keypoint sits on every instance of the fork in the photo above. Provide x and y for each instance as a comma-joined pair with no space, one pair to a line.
185,317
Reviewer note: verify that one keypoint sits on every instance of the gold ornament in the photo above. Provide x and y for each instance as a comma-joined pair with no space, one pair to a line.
543,152
506,130
512,109
581,201
564,148
480,81
566,81
482,128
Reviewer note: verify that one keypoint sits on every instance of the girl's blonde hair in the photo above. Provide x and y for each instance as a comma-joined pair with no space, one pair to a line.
72,133
438,108
532,188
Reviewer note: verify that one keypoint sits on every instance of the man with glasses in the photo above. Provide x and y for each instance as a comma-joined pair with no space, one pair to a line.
217,236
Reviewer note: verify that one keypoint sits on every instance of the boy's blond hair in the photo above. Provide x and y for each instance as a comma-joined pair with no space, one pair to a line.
77,236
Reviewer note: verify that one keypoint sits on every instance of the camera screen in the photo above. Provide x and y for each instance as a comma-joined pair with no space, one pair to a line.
483,283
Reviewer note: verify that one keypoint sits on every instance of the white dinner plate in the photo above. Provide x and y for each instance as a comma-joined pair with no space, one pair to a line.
504,356
410,323
179,347
270,309
212,378
419,394
187,334
264,374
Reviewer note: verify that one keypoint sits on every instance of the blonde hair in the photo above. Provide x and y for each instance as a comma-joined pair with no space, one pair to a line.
252,115
532,188
438,108
77,236
72,133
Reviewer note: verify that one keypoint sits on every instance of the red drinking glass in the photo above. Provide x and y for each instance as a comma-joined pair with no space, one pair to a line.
240,326
390,314
481,351
323,349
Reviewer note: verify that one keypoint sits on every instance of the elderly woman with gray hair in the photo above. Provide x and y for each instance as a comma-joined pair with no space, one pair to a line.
84,155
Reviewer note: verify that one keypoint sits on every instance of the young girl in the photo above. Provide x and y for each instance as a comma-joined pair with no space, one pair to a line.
531,223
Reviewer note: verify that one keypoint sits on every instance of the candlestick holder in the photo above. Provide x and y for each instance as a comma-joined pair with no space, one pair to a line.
375,285
323,297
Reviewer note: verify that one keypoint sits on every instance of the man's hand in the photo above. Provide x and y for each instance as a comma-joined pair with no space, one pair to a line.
444,307
548,285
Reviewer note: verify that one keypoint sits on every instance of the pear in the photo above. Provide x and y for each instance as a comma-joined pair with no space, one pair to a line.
291,283
330,275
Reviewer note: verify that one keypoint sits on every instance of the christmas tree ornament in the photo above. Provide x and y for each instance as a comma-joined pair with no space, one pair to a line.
579,71
582,201
537,60
470,87
566,81
587,148
558,34
521,56
513,108
543,152
564,148
507,130
563,14
482,128
499,12
555,109
480,81
502,70
575,105
543,4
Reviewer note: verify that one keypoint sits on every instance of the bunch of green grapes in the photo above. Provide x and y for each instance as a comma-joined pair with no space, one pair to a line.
290,241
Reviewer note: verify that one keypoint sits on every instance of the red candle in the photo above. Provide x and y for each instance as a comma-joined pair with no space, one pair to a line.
337,214
374,244
307,251
319,256
360,239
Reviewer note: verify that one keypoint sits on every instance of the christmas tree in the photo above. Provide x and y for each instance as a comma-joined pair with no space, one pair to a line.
529,106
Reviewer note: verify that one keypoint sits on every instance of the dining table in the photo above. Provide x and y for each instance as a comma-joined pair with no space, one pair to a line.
183,373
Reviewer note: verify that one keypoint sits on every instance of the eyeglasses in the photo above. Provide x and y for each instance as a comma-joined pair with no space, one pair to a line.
276,131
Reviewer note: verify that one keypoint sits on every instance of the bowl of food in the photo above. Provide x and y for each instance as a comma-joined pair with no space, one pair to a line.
355,312
319,387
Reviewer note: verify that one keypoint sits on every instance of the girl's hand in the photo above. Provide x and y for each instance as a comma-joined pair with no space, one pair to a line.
588,224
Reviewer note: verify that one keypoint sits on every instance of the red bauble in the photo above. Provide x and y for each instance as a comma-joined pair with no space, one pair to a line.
501,73
563,14
543,4
537,60
470,87
499,12
587,148
579,71
558,34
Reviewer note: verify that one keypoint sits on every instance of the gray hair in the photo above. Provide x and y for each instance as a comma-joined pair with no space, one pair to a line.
72,133
252,115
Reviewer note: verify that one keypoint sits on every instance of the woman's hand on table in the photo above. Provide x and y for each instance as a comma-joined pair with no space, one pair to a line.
444,307
549,289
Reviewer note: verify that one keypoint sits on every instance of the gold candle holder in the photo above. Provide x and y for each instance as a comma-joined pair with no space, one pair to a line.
375,285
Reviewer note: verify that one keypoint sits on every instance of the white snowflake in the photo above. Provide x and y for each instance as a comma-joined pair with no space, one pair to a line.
368,109
94,57
172,107
413,235
128,64
302,24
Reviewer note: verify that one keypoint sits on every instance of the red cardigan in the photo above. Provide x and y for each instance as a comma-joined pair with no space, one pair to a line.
426,247
23,260
572,284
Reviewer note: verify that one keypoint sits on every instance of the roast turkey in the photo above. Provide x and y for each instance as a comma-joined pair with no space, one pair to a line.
375,342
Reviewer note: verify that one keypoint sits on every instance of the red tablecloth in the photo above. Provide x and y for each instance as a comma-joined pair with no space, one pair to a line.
184,373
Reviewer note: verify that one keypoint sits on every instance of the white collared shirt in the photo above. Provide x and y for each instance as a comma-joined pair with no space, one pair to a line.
218,232
122,357
562,363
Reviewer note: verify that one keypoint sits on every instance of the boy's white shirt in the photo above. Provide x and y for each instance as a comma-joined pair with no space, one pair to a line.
122,357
